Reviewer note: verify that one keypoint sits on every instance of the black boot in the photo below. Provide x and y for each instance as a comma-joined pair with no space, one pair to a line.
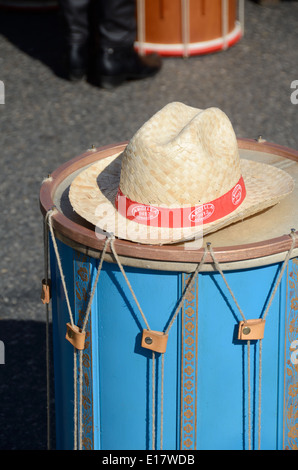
117,64
116,59
77,61
76,22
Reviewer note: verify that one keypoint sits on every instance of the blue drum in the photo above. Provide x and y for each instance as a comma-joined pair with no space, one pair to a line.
216,386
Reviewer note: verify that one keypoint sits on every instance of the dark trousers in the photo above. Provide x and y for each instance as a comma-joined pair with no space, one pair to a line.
111,22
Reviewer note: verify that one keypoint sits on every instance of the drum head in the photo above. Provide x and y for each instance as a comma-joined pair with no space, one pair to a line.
258,240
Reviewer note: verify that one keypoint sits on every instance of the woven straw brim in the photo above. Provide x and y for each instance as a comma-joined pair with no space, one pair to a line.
92,195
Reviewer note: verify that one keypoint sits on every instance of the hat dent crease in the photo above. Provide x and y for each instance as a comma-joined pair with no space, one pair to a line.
181,156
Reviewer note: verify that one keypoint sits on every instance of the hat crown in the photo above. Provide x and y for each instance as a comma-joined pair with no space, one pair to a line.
181,156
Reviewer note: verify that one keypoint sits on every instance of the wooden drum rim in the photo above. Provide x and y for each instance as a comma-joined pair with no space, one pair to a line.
86,237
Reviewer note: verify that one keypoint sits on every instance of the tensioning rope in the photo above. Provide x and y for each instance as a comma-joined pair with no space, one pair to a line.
110,241
48,222
285,263
166,332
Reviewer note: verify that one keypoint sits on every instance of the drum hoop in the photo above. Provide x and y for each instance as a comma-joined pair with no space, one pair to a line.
186,47
87,237
175,266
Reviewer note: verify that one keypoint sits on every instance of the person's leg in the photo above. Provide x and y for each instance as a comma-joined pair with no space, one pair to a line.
117,22
75,15
117,60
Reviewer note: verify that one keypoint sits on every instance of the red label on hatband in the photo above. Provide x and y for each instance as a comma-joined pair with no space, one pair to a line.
157,216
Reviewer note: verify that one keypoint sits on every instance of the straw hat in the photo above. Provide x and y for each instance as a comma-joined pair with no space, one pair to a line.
179,177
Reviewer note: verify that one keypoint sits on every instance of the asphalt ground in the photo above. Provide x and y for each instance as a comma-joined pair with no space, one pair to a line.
47,120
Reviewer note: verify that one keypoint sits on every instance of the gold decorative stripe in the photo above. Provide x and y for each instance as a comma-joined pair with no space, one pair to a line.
290,437
189,345
82,287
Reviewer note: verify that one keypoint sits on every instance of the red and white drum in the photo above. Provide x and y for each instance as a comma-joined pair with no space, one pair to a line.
188,27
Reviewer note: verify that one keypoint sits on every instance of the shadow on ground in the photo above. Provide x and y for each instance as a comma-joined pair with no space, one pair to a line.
38,34
23,386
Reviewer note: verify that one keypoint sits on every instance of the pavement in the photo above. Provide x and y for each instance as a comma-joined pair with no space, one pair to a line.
47,120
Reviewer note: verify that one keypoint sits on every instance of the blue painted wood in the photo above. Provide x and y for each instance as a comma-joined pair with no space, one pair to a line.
223,387
205,383
63,351
126,374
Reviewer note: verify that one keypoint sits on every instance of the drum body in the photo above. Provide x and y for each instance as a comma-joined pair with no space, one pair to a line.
205,382
187,27
207,396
